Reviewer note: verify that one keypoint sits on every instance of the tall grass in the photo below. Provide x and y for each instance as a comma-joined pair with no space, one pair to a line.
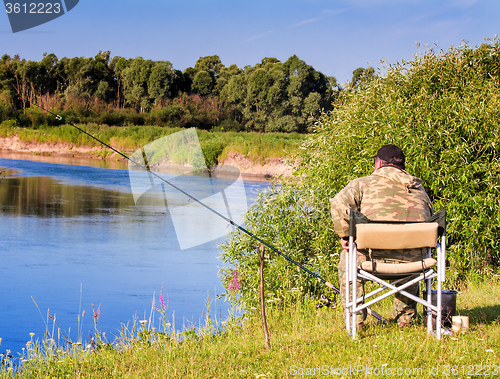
305,342
255,146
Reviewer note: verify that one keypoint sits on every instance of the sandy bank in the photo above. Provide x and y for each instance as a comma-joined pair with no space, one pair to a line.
271,168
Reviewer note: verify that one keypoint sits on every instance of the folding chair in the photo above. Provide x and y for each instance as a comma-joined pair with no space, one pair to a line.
388,235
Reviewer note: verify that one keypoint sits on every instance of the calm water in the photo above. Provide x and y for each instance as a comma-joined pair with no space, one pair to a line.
69,227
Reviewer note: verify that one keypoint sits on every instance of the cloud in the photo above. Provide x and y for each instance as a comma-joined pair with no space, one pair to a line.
307,21
330,12
326,13
257,36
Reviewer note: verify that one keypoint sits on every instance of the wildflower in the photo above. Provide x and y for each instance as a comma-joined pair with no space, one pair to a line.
96,314
162,300
234,284
163,306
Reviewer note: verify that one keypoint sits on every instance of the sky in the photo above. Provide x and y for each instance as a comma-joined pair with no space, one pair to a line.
333,36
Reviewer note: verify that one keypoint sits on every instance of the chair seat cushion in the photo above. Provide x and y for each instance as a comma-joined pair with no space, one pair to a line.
398,268
396,236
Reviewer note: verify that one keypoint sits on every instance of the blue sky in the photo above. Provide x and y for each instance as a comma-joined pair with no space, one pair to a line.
334,36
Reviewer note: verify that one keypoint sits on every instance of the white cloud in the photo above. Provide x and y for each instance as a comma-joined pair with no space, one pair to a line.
307,21
325,13
334,12
257,36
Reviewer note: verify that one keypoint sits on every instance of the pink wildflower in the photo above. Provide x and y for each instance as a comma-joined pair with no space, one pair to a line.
162,301
163,306
96,314
234,284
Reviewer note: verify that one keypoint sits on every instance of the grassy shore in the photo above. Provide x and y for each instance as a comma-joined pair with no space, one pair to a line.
305,342
255,146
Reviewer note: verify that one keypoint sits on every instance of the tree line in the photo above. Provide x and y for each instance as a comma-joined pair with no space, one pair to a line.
271,96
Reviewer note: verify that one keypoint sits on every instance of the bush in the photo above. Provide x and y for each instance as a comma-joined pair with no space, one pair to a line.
134,118
284,218
169,115
443,110
229,126
6,107
212,150
114,118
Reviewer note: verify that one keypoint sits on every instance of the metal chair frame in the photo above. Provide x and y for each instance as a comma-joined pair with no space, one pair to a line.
354,304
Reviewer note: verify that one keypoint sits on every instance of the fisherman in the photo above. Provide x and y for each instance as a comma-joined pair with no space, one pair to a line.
390,194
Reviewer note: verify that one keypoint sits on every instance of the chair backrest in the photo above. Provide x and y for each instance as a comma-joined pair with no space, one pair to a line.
396,236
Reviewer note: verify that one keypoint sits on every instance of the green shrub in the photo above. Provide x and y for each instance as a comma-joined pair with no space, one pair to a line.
169,115
443,110
212,150
111,118
284,218
230,126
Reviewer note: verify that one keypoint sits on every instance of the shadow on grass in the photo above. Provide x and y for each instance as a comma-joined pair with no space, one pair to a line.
482,315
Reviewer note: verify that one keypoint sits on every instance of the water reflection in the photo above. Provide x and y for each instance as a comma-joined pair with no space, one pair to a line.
46,197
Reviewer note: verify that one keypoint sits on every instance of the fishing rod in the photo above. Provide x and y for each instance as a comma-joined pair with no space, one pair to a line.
325,282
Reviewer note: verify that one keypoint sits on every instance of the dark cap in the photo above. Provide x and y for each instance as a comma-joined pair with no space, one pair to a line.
391,154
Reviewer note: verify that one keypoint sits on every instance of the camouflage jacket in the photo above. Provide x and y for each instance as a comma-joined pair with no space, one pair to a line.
388,194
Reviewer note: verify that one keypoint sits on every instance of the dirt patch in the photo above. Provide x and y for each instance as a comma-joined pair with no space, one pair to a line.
272,168
16,145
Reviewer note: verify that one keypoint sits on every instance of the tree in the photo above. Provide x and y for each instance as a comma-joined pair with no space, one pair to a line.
118,65
160,81
203,83
361,75
135,80
211,64
224,77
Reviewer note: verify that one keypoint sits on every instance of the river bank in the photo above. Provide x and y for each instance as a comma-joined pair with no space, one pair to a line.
305,342
14,147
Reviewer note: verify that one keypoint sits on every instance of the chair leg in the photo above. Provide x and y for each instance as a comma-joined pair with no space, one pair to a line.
439,291
354,290
429,311
347,296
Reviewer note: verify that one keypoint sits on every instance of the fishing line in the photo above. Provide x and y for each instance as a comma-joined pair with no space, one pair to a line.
328,284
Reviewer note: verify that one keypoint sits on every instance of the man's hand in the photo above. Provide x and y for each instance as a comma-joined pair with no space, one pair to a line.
345,244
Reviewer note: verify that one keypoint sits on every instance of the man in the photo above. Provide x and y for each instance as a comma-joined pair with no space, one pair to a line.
389,194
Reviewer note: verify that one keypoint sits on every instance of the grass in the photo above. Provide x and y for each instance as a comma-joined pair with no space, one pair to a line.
255,146
305,342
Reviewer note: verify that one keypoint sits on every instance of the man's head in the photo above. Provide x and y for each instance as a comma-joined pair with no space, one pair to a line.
389,155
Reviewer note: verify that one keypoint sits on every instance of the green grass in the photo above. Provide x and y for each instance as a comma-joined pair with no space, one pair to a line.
256,146
303,339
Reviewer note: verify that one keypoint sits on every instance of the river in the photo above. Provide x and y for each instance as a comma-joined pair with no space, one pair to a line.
72,238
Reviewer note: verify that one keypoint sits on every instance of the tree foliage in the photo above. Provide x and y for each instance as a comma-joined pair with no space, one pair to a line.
270,96
443,109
